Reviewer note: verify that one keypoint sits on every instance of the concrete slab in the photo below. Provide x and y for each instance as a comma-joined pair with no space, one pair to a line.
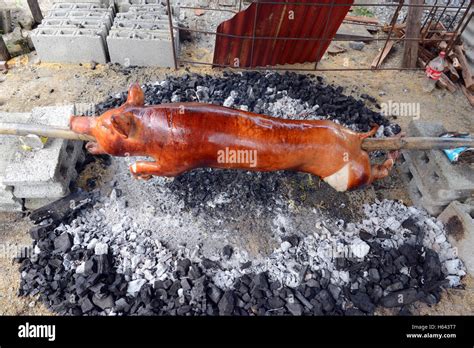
459,223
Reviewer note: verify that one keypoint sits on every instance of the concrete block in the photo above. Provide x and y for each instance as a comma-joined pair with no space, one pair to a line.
77,23
133,25
103,15
124,5
419,200
142,17
459,224
66,43
8,147
50,165
36,203
141,47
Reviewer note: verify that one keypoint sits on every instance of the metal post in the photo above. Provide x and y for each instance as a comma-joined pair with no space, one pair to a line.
170,20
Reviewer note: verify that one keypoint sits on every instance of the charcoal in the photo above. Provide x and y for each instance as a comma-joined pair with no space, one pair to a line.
214,293
207,264
103,302
227,303
183,267
363,302
295,308
275,302
431,266
87,305
410,253
122,305
227,252
63,243
353,312
259,282
374,275
326,300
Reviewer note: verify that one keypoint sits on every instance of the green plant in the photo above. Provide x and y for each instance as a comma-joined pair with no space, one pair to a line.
362,11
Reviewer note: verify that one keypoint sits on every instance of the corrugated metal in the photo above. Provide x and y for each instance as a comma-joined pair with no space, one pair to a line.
273,21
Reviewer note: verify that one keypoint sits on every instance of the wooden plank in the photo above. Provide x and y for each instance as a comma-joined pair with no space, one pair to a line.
410,53
35,11
469,95
466,71
446,83
362,19
4,54
383,53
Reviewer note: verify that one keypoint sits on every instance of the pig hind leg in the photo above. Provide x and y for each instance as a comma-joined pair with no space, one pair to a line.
145,170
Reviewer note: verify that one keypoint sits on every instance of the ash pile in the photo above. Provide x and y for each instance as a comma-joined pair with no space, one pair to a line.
219,242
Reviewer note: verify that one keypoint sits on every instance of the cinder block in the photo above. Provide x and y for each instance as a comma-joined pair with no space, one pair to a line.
437,181
143,17
49,165
141,48
419,200
124,5
79,23
104,15
459,224
71,45
8,146
141,25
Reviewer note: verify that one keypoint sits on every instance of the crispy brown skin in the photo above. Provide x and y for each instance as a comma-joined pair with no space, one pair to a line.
184,136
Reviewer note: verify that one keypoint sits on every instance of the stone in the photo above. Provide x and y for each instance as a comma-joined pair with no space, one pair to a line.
356,45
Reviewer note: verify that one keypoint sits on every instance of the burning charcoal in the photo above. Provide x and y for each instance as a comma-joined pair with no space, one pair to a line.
293,240
227,303
63,243
194,272
121,305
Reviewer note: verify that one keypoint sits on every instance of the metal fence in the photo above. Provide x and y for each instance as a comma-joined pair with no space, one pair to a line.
460,14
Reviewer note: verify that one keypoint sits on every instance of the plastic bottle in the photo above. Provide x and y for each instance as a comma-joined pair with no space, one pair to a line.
433,71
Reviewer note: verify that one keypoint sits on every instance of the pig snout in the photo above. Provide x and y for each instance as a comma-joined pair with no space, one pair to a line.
82,124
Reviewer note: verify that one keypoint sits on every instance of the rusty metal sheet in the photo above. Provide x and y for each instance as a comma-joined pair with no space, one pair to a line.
274,27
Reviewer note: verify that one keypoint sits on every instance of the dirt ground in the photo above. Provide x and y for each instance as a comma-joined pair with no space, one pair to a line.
30,83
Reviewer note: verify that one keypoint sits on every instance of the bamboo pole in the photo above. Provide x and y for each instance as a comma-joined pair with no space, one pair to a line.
44,131
370,144
415,143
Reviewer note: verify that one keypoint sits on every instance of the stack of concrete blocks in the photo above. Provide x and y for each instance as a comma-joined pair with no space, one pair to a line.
74,32
434,181
39,176
142,37
8,147
459,223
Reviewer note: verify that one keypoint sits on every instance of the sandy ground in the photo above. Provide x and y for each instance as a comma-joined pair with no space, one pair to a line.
31,83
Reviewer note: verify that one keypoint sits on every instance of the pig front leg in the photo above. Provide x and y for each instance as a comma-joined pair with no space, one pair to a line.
145,170
94,148
381,171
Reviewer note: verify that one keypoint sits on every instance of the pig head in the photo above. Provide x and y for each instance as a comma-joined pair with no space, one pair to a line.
183,136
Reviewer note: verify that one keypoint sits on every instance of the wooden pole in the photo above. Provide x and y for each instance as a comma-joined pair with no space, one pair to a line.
4,54
370,144
6,21
44,131
413,28
35,11
415,143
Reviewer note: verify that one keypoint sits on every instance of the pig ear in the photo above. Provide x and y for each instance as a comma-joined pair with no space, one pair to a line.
123,123
135,95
